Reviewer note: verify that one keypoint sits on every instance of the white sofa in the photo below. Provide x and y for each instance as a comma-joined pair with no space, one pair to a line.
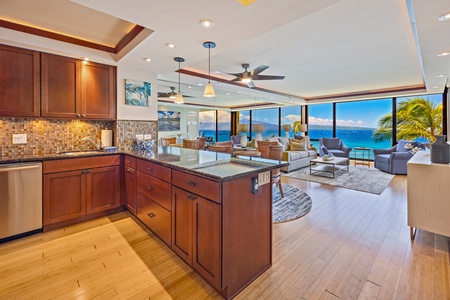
296,158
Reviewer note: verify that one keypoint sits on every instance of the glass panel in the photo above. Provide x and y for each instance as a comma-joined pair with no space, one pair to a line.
289,115
356,123
419,118
268,118
244,118
224,120
320,122
208,124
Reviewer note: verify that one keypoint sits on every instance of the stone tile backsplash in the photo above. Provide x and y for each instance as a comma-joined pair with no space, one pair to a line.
47,136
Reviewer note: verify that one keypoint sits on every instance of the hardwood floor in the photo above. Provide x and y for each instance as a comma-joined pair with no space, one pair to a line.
352,245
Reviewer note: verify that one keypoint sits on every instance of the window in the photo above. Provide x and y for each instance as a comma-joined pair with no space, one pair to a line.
208,124
289,115
224,125
320,122
267,117
244,118
356,123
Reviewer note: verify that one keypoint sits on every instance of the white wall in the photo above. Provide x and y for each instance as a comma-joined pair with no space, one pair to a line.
185,128
130,112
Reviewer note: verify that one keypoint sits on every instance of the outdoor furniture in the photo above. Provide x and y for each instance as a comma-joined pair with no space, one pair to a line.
393,160
166,141
334,146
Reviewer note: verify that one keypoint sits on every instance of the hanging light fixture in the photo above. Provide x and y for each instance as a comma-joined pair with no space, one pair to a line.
209,90
179,98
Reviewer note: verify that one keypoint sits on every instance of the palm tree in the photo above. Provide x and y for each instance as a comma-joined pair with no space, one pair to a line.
416,117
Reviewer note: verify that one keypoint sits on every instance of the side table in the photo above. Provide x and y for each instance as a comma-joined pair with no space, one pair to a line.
362,161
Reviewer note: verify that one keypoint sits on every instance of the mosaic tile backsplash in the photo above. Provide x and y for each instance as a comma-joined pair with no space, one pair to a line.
48,136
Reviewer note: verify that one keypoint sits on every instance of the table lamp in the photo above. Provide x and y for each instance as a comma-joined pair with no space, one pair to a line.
258,128
243,128
287,128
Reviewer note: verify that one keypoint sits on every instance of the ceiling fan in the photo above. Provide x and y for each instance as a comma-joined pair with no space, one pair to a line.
248,77
172,94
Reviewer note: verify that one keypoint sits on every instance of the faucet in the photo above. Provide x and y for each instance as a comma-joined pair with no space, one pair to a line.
97,146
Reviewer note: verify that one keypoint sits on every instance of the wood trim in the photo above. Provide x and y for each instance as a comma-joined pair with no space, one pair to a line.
128,38
73,40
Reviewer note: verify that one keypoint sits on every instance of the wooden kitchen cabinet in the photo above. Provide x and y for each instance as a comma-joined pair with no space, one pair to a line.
130,184
72,88
80,189
196,233
19,82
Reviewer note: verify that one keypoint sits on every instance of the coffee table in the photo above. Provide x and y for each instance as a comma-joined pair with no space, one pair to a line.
322,167
362,161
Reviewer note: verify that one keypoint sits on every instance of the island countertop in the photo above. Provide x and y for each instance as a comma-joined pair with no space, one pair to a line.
214,165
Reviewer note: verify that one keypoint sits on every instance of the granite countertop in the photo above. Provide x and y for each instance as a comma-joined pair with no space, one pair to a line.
213,165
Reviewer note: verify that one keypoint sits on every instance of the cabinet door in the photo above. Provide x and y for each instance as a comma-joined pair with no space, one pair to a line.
64,196
182,224
19,82
98,91
156,217
60,86
206,254
102,188
130,189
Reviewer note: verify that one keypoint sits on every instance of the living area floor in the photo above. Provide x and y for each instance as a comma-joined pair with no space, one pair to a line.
351,245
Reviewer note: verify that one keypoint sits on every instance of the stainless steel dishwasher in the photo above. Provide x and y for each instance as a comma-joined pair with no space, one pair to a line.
20,200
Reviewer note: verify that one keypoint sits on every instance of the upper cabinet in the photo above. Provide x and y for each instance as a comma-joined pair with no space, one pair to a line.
19,82
73,88
34,84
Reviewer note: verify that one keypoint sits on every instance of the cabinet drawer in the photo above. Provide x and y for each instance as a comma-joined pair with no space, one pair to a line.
155,170
130,161
155,217
197,185
155,189
69,164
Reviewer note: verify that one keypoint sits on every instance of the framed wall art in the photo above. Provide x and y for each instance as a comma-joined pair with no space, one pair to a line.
137,93
168,120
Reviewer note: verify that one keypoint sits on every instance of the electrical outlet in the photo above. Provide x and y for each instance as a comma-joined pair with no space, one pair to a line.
19,138
264,178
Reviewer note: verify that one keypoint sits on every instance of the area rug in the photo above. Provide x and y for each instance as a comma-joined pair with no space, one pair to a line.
293,205
369,180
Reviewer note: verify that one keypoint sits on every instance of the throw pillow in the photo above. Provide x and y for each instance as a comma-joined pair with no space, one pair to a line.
271,139
285,142
298,137
297,146
252,144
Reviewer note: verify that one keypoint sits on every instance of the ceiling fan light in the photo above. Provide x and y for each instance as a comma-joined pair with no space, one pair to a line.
173,96
246,79
444,17
209,90
179,98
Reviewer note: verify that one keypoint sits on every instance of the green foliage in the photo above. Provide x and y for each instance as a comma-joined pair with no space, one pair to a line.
416,117
296,126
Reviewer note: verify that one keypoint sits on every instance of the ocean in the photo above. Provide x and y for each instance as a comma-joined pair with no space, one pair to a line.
352,137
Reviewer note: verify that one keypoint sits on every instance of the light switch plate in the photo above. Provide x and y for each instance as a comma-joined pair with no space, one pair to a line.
264,178
20,138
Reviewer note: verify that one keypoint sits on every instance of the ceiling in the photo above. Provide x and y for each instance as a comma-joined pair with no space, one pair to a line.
329,50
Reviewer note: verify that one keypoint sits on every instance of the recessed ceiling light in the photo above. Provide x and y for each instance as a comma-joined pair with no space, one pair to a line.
444,54
189,87
86,58
238,92
207,23
147,59
444,17
441,75
228,94
170,45
199,84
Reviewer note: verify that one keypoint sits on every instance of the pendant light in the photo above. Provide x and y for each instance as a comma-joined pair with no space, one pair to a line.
209,90
179,98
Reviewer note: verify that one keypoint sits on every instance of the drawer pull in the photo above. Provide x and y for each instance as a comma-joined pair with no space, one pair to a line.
150,169
83,172
83,115
78,115
129,170
191,183
151,215
191,197
128,161
149,188
88,171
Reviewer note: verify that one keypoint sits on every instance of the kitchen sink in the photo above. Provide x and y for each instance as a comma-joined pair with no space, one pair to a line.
80,152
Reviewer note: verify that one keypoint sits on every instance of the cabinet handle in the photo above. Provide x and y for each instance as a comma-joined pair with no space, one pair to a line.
151,215
191,183
83,172
191,197
78,115
83,115
129,170
88,171
150,169
128,161
149,188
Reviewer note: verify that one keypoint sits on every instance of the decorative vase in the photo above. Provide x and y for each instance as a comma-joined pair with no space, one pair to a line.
440,150
244,140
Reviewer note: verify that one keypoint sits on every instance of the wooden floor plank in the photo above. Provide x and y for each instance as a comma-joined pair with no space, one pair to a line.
352,245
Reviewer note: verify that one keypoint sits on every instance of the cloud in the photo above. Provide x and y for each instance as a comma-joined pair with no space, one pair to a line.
207,117
329,122
290,118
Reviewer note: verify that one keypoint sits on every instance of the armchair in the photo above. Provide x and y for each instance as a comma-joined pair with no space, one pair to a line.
393,160
235,140
334,146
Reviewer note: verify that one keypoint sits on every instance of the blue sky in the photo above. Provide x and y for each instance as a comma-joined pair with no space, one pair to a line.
356,113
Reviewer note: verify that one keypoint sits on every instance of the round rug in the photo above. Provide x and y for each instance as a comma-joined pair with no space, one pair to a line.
293,205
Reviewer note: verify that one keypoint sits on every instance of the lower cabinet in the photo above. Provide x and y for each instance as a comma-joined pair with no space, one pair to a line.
77,188
130,190
156,217
196,233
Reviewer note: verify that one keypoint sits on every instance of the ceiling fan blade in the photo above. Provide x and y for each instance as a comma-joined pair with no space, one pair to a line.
163,95
267,77
251,84
258,70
